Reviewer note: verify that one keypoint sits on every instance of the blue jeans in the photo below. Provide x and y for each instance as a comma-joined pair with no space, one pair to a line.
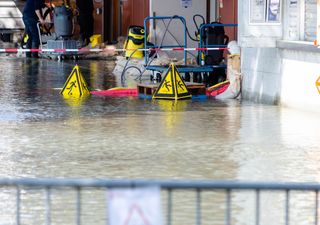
33,34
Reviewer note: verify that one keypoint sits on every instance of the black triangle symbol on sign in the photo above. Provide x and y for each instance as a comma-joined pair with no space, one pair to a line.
75,86
172,86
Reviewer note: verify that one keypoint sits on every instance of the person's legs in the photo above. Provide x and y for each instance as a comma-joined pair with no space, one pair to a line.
89,27
35,37
82,24
28,32
86,28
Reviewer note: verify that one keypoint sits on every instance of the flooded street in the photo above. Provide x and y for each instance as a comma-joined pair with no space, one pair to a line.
44,135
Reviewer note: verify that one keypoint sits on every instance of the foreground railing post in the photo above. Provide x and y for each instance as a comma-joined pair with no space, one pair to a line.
228,207
316,208
18,205
198,216
48,205
287,215
169,207
106,194
78,206
257,207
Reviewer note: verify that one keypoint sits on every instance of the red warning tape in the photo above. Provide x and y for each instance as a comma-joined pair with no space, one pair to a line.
84,50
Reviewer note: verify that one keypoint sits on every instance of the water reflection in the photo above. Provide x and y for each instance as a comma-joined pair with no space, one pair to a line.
32,73
229,139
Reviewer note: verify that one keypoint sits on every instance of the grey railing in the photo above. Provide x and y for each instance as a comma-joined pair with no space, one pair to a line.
168,186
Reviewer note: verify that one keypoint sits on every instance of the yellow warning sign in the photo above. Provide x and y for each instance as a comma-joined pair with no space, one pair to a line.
318,84
172,86
75,86
166,87
181,86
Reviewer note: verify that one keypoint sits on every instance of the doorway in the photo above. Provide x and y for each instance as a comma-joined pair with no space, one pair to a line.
228,13
133,12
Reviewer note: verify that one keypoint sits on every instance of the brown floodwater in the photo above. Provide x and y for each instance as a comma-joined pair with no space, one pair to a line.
44,135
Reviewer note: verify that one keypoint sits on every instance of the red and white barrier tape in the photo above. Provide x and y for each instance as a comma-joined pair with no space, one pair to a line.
85,50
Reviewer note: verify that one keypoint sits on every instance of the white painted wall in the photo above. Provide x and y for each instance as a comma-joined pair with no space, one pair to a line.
213,11
261,74
300,71
281,76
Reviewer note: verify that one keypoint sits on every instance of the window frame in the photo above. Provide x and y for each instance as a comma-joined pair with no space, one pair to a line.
318,23
264,19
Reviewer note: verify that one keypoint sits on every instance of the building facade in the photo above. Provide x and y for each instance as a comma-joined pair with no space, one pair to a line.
279,61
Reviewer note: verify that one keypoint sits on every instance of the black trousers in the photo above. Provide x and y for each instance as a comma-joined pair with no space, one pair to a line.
33,34
86,26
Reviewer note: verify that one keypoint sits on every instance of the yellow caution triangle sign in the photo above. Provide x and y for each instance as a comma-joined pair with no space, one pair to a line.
172,86
75,86
318,84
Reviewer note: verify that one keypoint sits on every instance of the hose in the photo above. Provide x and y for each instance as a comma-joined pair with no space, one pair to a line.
126,67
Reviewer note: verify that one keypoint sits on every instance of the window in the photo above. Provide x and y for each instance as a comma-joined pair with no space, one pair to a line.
265,11
273,11
302,20
310,21
299,19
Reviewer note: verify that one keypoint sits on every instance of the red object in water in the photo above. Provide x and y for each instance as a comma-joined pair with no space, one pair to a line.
122,92
218,90
126,92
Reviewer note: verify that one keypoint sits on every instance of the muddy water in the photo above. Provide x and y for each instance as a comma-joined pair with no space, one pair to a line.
44,135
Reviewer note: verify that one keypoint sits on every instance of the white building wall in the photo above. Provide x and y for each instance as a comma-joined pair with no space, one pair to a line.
261,60
275,69
261,70
281,76
300,71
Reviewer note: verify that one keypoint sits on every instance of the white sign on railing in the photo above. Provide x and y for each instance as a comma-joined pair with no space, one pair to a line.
138,206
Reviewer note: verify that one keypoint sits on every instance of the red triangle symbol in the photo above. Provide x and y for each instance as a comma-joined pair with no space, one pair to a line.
135,209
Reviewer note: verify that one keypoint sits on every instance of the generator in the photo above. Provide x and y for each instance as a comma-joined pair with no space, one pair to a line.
210,35
214,36
63,22
63,26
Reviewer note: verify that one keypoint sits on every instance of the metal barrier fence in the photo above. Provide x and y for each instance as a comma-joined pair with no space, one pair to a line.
169,186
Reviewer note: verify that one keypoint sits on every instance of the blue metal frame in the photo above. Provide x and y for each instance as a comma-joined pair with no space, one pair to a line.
183,21
203,26
186,68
